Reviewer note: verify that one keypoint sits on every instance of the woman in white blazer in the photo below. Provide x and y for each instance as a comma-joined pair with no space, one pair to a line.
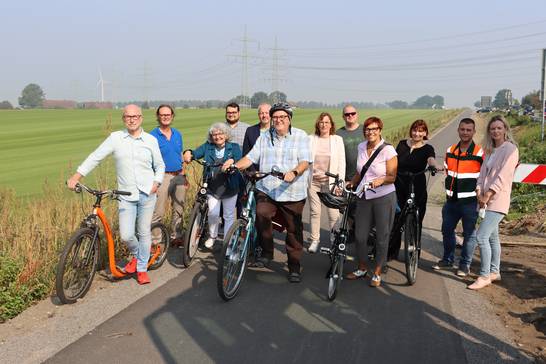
328,154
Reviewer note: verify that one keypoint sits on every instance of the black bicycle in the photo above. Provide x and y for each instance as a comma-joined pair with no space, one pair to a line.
197,224
409,225
337,252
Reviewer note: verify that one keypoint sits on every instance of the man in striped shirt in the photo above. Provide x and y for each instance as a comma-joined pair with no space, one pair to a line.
462,164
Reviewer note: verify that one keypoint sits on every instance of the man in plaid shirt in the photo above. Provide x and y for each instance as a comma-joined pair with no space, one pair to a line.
287,149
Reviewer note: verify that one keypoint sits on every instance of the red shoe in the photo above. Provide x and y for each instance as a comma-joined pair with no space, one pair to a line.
142,278
130,267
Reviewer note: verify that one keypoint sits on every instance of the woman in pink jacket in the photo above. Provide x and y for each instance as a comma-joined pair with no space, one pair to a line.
493,191
328,153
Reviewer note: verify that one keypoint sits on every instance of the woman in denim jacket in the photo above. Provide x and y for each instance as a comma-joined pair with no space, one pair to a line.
223,188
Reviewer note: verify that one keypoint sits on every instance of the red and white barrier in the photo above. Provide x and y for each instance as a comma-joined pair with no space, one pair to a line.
531,173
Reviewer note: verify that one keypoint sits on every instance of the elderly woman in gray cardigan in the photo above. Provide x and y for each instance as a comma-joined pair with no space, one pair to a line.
328,153
493,190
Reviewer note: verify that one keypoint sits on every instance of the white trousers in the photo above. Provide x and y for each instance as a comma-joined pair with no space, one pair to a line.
214,213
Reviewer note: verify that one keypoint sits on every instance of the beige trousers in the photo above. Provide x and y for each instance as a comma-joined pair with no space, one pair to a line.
161,204
315,208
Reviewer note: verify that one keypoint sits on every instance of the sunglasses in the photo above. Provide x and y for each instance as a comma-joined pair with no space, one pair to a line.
347,114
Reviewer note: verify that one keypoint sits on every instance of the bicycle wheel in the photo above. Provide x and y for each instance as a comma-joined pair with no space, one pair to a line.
411,251
336,274
161,241
232,267
194,233
77,265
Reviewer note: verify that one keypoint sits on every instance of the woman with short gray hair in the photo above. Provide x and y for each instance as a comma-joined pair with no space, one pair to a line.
223,188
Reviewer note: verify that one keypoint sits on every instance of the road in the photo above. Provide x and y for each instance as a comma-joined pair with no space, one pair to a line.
436,321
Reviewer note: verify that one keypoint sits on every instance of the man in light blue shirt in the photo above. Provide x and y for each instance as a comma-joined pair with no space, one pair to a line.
288,149
140,170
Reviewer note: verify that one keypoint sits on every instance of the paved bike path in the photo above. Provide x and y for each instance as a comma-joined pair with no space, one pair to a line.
272,320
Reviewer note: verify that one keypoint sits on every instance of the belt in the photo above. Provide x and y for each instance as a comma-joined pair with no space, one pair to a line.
175,173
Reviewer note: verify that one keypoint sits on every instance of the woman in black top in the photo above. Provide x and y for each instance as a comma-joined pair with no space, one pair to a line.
414,154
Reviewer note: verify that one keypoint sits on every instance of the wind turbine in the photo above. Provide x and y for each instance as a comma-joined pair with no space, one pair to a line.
101,83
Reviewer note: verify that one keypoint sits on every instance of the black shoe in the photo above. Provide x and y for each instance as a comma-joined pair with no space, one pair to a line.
294,277
261,262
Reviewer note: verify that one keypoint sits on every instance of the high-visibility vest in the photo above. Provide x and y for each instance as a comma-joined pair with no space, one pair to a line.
462,170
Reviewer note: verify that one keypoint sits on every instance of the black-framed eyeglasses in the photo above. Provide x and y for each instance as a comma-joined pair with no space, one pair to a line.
280,117
371,130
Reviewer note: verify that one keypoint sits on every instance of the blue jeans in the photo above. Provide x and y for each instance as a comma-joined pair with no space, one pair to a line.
489,243
137,213
452,212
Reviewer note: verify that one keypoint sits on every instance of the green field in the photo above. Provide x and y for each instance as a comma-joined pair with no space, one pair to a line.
40,145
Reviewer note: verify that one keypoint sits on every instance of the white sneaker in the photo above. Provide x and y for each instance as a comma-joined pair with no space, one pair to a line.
313,247
209,243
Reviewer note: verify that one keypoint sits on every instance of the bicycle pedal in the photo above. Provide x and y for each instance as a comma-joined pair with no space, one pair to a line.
350,258
325,250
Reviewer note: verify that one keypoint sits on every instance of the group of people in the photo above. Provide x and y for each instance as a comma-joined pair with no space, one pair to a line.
151,166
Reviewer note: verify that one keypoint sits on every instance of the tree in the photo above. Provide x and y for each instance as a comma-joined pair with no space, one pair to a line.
5,105
397,104
258,98
32,96
532,99
438,101
241,100
503,99
277,96
423,102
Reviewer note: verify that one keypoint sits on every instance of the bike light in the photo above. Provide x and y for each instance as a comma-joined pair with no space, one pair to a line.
341,247
203,191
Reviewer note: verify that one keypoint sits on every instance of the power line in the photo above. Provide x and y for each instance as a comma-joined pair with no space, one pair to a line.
382,45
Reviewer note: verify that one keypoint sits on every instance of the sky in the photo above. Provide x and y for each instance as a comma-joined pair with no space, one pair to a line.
329,51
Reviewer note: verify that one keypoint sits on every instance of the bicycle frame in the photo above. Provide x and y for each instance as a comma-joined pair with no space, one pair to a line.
249,216
98,212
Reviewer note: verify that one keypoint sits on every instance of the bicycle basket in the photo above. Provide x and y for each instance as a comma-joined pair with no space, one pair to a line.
332,201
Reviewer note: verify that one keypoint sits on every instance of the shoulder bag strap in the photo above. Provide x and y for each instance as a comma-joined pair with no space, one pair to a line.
369,162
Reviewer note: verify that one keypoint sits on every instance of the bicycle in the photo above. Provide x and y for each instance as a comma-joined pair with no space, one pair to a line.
338,248
409,225
79,259
240,240
197,224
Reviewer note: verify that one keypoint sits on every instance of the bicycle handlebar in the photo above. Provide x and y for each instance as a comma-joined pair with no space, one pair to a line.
81,186
431,169
366,186
206,164
256,175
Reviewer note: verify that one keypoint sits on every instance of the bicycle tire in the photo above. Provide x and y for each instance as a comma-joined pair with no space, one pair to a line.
164,244
411,251
335,277
194,234
232,266
77,266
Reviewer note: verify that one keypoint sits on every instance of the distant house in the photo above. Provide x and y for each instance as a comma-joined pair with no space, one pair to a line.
59,104
95,105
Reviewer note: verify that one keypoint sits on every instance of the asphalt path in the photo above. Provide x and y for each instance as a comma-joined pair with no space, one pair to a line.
271,320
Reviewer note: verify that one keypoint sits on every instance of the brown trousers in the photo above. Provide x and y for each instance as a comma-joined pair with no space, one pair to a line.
266,208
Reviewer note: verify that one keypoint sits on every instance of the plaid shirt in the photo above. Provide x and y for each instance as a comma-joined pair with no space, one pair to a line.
286,153
238,133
